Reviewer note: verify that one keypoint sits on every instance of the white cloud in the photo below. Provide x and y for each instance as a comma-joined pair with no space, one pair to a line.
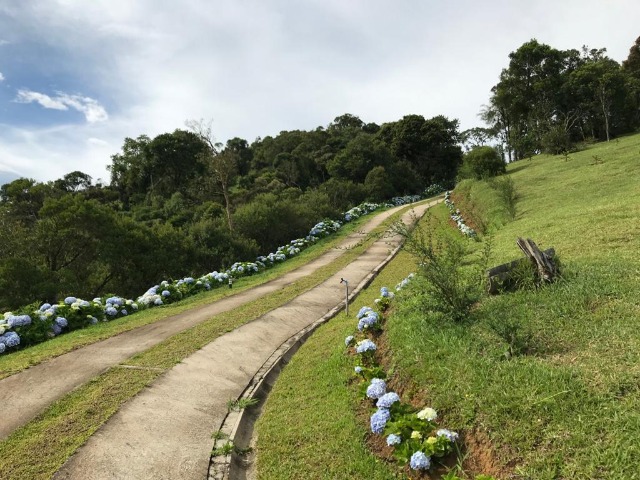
1,77
92,110
257,68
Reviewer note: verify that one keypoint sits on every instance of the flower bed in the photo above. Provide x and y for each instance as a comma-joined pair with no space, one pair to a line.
412,434
456,216
34,324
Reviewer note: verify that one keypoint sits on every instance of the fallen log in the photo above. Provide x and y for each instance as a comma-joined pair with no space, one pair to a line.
538,264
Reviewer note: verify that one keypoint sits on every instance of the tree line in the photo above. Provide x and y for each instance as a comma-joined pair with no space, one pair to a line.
550,100
183,204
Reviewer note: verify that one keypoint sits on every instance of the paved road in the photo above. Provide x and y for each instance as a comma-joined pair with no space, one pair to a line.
26,394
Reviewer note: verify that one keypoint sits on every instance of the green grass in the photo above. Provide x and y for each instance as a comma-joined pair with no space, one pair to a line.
566,408
21,359
570,406
38,449
310,427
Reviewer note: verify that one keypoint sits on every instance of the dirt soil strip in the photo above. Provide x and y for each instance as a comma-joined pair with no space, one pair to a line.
28,393
165,431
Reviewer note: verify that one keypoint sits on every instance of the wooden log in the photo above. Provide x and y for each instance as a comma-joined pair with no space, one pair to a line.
503,276
546,269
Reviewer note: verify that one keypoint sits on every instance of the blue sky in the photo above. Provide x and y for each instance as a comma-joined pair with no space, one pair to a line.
77,76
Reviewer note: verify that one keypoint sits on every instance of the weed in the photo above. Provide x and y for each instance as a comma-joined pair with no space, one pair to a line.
241,404
224,450
218,435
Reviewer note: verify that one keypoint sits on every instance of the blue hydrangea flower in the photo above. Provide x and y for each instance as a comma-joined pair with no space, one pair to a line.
45,306
365,346
358,369
384,292
111,311
419,461
84,304
62,322
57,329
124,312
10,339
368,321
388,399
18,320
451,436
364,311
394,439
70,300
157,301
92,320
377,388
2,348
348,340
379,420
166,293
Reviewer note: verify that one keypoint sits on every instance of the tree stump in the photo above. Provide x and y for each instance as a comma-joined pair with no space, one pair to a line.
509,275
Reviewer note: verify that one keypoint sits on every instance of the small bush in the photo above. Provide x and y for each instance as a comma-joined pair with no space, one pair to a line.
481,163
451,283
506,189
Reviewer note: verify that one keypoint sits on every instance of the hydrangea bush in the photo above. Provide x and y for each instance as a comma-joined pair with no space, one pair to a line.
36,323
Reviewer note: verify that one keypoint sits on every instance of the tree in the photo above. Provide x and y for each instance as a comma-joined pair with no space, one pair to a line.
632,64
482,162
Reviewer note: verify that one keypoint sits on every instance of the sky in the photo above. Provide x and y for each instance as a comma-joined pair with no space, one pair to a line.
77,77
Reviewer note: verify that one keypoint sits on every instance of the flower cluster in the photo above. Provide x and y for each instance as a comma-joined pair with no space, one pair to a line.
456,216
404,282
30,327
433,190
413,435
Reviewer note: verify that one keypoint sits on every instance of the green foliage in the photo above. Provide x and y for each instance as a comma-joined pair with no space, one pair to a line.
549,99
506,189
481,163
445,279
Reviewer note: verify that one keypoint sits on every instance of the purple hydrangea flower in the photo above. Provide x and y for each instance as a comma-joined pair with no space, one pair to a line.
166,293
388,399
419,461
394,439
348,340
377,388
379,420
124,312
111,311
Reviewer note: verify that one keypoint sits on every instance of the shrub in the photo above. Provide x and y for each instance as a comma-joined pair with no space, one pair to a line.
451,286
482,162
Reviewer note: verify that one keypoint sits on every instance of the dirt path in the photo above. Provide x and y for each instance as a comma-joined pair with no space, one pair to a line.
165,431
29,392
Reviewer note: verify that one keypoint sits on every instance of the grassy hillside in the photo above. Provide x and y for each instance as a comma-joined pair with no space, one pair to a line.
566,404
